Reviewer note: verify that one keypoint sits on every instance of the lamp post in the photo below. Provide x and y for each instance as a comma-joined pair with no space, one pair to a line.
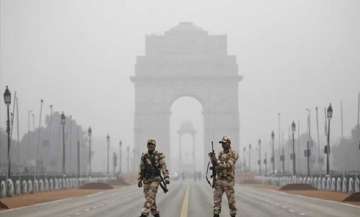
307,155
107,154
120,157
293,156
89,134
244,154
114,163
307,151
273,151
329,114
33,120
78,159
38,159
63,142
250,157
282,159
279,145
259,161
128,159
70,146
133,159
265,163
29,121
319,155
7,100
358,119
50,126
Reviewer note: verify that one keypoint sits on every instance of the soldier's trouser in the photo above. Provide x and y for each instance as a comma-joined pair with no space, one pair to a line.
150,191
221,187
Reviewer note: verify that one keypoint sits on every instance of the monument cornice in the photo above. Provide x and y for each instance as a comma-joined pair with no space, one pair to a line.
206,78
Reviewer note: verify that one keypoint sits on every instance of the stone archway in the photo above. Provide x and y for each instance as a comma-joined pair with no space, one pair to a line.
187,128
185,61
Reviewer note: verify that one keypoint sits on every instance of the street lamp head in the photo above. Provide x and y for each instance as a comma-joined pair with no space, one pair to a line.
62,118
329,112
272,135
293,126
89,131
7,96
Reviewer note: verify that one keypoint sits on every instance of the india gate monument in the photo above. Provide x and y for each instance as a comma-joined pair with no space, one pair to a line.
185,61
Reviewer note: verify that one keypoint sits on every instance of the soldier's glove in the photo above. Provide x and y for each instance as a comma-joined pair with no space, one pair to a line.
140,184
167,181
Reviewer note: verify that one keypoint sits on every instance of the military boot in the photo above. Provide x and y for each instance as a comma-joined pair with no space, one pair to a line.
143,215
157,215
216,215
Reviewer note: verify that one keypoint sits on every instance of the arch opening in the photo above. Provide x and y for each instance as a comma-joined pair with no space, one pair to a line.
186,135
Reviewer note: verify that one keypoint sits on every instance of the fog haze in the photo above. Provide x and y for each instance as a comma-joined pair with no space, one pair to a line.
78,55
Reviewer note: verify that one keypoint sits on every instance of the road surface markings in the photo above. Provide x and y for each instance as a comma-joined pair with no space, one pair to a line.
185,204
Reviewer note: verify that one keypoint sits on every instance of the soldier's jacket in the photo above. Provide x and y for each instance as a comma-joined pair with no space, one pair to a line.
225,169
150,167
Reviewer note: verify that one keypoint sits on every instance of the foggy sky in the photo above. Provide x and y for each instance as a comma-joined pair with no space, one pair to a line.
79,54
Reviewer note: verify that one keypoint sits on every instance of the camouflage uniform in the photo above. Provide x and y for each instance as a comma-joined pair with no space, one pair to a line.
151,179
225,180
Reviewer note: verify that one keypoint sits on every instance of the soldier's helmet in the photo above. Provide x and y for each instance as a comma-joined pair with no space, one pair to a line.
151,141
225,140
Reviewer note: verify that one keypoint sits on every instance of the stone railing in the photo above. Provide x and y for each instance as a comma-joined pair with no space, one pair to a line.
19,186
349,184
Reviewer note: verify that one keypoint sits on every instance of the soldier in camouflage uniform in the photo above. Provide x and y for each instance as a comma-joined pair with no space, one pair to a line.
225,177
152,164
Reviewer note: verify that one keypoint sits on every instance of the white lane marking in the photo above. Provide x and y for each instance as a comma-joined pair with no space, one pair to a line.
185,204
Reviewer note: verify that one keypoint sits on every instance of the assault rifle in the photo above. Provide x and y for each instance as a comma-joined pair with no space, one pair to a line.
211,167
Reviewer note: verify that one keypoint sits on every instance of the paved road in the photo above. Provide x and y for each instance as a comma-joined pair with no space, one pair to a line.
187,199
